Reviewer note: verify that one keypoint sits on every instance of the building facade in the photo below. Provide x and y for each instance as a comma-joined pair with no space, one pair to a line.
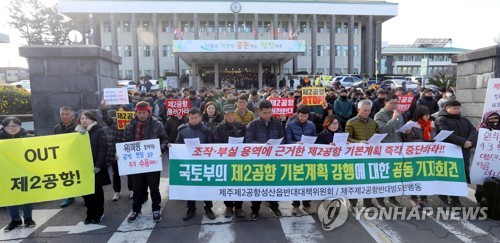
340,36
13,74
406,59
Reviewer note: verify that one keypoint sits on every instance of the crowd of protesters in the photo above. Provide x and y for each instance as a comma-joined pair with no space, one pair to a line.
219,113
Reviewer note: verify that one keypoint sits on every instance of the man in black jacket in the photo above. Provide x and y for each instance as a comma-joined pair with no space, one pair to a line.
144,127
428,100
260,131
464,135
196,129
230,127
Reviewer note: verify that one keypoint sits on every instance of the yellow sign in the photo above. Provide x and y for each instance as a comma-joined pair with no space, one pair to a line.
47,168
313,95
123,118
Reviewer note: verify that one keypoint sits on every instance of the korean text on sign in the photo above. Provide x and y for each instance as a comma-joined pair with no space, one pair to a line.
139,157
313,95
282,106
116,96
176,107
404,102
123,118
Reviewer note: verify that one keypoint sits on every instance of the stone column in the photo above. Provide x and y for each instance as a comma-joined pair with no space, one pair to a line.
92,28
114,35
378,44
235,26
259,74
176,57
196,27
350,45
332,44
255,26
314,46
216,75
216,26
71,75
295,31
370,52
156,51
275,29
135,46
282,69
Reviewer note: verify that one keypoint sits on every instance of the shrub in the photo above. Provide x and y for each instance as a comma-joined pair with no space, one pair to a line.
14,101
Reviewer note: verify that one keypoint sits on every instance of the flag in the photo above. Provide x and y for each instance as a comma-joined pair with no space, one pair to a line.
276,32
176,33
292,34
254,32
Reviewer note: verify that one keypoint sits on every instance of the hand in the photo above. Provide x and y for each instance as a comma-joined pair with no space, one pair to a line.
82,132
395,115
468,144
333,144
408,131
103,104
283,117
364,141
169,145
96,170
299,142
347,142
116,157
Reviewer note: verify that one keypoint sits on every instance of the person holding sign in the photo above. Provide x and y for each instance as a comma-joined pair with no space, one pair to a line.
261,130
12,129
294,130
87,122
464,135
196,129
230,127
423,132
144,127
115,135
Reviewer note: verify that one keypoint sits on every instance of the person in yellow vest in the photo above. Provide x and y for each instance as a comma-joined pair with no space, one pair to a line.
243,115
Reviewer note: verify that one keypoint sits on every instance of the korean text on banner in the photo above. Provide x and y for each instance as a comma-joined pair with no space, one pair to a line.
404,102
486,162
313,95
255,172
47,168
139,157
116,96
176,107
123,118
282,106
492,100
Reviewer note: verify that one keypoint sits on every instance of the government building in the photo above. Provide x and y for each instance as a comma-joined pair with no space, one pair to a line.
213,38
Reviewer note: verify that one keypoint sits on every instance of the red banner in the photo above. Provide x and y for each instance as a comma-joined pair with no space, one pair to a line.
177,106
404,102
282,106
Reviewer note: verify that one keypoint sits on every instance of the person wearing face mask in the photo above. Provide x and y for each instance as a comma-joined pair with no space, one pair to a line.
211,97
378,103
343,108
448,96
428,100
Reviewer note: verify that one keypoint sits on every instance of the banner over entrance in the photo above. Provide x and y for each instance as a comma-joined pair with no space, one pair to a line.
254,172
238,46
45,168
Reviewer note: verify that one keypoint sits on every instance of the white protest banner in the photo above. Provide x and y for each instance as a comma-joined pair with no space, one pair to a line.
492,100
139,157
116,96
486,162
258,172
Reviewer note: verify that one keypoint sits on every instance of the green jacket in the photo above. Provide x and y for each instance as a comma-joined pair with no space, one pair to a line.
360,129
385,125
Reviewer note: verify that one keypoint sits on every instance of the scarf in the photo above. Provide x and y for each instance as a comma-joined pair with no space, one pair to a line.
426,126
140,131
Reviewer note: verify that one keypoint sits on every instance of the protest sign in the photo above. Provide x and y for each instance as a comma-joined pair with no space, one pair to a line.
486,162
39,169
492,100
255,172
313,95
282,106
176,107
123,118
139,157
116,96
404,102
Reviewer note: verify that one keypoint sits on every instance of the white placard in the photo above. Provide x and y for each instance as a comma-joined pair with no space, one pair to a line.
442,135
235,140
340,138
192,142
407,126
486,162
308,139
116,96
139,157
377,138
274,142
492,100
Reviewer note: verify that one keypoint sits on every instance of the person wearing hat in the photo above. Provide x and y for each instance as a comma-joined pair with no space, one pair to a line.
464,135
143,127
230,127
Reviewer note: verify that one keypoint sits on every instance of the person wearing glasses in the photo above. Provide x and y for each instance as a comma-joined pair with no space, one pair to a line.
12,129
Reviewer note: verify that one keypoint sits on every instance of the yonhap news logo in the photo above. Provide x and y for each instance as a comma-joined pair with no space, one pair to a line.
332,213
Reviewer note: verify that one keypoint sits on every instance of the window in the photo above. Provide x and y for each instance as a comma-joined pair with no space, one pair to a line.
284,26
303,27
127,51
128,74
346,27
248,26
167,51
203,26
356,28
187,26
146,25
107,26
146,51
222,26
230,27
148,73
321,50
118,27
338,27
107,48
267,26
355,49
327,51
321,27
304,53
166,26
211,26
337,51
126,26
120,51
346,49
241,26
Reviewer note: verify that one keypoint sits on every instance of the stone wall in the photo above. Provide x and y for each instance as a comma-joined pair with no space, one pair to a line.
474,69
72,76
